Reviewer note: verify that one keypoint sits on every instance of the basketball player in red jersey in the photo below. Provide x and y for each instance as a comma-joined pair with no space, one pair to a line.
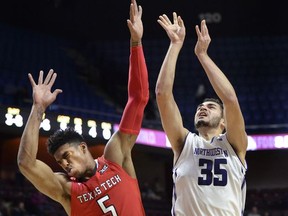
107,185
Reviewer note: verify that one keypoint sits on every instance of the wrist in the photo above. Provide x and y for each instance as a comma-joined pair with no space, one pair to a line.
38,111
39,108
201,54
135,43
177,46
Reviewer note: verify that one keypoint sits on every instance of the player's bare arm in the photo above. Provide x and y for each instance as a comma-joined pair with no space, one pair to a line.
39,173
234,121
170,115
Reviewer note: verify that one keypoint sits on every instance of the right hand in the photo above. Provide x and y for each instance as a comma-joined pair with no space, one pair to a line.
176,31
42,95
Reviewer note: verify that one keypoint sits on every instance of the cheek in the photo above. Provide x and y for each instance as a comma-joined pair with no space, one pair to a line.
77,161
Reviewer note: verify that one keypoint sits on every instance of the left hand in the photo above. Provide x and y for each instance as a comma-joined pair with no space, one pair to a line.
204,39
135,24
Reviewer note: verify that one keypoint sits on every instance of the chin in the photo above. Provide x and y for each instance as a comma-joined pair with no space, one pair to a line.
73,174
201,123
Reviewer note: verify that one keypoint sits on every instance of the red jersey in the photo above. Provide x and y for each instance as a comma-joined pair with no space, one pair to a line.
111,191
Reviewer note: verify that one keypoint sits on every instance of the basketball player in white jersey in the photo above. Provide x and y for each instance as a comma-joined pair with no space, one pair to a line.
209,168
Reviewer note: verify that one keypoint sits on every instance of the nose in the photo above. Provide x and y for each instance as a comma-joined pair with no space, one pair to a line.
203,108
64,163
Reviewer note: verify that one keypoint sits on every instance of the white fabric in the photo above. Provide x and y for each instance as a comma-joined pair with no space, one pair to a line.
209,179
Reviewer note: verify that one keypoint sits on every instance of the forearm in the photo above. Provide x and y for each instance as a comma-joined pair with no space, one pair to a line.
218,80
138,92
166,76
138,86
29,141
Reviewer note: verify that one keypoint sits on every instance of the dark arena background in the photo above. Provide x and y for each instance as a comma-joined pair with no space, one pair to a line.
87,44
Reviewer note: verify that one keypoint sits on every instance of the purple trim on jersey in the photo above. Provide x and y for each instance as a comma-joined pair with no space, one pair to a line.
242,187
243,183
243,165
174,194
182,147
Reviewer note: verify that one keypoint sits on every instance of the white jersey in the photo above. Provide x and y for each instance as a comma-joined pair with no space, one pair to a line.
209,179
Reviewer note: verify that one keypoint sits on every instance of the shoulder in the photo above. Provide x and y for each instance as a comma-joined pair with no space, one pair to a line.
65,181
63,177
221,137
192,137
189,143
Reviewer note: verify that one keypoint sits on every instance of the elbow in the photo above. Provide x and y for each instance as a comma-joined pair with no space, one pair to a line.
145,96
162,93
144,100
231,101
230,98
23,162
158,91
141,100
23,166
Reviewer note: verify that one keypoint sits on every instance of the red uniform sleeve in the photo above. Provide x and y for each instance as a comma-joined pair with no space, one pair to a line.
138,92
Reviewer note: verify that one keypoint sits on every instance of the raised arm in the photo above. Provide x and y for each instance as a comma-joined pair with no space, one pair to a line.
169,112
234,121
37,172
120,145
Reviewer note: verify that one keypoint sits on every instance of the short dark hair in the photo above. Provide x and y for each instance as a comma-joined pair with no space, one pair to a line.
215,100
61,137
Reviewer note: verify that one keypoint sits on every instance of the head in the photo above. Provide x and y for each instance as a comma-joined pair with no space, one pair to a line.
70,151
210,114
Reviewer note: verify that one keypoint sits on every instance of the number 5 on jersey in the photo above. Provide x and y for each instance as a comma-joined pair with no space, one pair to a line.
106,209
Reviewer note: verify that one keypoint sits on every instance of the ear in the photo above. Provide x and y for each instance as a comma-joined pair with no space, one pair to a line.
83,147
222,124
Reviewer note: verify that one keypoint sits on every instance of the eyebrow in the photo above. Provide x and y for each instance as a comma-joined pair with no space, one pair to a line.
62,156
212,104
209,105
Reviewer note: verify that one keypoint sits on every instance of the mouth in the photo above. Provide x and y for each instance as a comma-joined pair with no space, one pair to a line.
68,169
202,114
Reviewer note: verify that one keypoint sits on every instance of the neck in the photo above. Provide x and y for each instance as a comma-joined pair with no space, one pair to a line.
92,169
89,172
208,133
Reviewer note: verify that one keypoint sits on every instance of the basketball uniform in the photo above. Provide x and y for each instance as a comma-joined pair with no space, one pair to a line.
209,179
111,191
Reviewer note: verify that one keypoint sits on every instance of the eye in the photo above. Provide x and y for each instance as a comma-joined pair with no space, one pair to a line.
212,107
66,156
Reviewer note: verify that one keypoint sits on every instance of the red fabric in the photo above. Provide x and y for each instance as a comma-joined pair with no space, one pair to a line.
138,93
111,191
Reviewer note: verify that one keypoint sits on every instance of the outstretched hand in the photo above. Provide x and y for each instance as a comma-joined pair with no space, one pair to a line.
135,24
176,31
204,39
42,94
